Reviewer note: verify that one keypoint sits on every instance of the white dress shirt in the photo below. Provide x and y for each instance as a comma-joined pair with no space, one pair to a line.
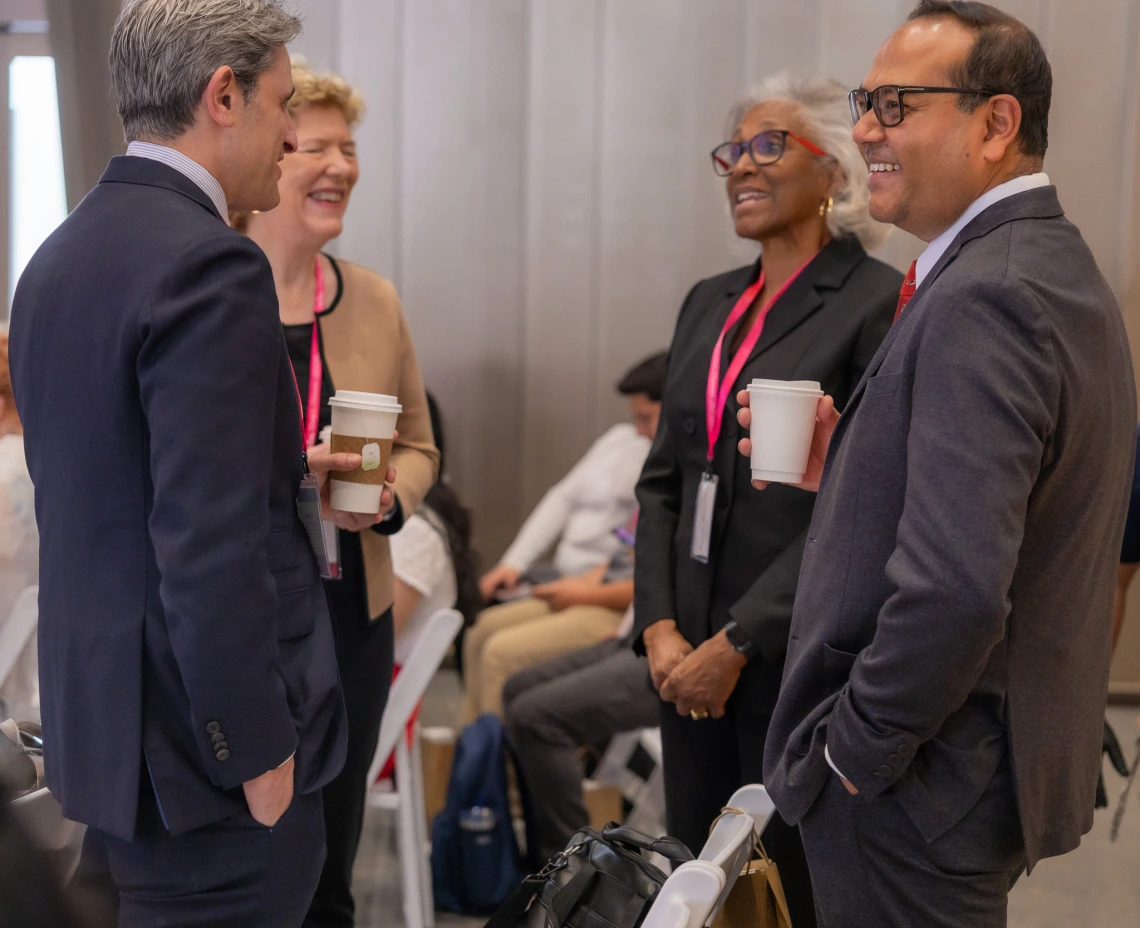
187,166
937,248
582,510
19,569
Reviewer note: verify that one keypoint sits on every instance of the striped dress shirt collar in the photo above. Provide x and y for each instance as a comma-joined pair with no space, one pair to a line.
187,166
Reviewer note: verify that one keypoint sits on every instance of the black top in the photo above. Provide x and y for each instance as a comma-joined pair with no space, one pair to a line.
825,327
1130,550
348,596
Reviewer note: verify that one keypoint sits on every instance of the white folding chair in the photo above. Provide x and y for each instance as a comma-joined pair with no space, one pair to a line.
646,796
729,847
18,630
688,898
407,799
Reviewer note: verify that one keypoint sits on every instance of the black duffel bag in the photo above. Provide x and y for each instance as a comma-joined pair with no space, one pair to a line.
601,880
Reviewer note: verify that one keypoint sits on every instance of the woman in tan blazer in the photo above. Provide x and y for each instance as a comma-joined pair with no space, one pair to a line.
349,319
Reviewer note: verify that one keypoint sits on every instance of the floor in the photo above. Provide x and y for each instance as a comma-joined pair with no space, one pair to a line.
1096,886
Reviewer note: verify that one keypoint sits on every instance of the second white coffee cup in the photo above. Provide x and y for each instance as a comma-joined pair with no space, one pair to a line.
365,424
783,422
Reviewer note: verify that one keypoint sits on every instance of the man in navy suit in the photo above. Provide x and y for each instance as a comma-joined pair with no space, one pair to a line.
191,704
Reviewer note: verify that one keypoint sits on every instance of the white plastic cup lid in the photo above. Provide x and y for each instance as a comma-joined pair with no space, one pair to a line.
788,386
353,399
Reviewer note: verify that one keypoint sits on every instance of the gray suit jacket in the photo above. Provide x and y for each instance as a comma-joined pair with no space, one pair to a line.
953,609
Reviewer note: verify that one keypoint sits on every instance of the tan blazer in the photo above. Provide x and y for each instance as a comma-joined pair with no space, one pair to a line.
368,347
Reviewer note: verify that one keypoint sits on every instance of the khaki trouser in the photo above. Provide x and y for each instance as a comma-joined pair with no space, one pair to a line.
507,638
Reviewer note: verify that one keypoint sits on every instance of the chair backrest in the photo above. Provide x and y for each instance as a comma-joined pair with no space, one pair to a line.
18,630
754,800
408,689
729,847
688,897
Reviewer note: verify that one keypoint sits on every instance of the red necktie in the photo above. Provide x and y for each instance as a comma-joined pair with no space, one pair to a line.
907,291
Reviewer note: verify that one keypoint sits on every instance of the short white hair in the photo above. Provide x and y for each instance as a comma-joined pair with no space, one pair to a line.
164,52
822,104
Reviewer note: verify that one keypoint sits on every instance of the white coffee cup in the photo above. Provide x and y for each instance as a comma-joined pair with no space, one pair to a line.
783,422
364,424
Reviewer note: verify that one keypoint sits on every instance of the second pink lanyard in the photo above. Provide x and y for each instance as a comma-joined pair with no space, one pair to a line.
316,368
716,390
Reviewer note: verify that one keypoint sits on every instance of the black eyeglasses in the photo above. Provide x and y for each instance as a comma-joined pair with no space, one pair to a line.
887,101
764,148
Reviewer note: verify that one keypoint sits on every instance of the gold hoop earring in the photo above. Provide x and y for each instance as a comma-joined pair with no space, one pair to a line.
826,207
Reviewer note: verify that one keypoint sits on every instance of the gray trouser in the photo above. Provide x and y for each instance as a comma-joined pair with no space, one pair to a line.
872,869
554,707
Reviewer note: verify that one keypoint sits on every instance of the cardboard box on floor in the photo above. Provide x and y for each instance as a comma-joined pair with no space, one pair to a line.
438,746
603,802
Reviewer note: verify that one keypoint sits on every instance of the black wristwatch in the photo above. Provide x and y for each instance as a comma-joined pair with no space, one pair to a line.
740,642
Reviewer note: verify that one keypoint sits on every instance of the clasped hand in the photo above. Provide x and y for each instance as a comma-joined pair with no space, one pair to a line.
692,679
322,462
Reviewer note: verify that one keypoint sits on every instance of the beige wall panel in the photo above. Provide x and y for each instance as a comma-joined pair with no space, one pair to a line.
319,42
462,144
1089,51
369,43
672,69
780,36
561,331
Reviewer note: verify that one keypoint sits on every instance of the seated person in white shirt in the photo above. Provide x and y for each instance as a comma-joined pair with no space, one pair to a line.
19,550
432,562
583,513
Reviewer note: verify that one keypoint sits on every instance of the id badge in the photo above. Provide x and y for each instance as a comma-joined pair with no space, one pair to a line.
309,510
703,517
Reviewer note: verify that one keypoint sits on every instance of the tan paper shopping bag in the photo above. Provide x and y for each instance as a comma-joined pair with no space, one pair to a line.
757,899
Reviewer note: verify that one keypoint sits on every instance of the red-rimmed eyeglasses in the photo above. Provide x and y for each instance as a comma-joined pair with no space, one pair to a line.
764,148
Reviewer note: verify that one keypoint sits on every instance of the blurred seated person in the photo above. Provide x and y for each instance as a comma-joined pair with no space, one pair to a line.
586,606
433,564
19,548
554,707
580,512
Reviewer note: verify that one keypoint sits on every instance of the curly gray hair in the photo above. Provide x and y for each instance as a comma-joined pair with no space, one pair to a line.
163,53
822,103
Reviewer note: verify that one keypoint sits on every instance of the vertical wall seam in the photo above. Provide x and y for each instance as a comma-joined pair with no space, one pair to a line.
522,370
400,42
596,179
1129,177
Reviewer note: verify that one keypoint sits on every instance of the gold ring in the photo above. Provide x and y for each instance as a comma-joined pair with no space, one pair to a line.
698,715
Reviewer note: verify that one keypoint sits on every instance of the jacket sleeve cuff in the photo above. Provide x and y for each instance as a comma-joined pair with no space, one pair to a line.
392,522
871,760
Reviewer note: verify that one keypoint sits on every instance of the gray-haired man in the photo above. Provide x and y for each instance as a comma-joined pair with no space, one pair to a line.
189,686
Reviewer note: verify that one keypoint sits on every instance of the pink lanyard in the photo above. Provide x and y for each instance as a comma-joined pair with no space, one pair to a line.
316,368
716,394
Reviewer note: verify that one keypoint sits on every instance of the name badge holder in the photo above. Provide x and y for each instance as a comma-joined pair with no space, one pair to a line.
716,399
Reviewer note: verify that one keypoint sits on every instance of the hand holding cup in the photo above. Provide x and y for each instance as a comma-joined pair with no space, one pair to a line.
826,418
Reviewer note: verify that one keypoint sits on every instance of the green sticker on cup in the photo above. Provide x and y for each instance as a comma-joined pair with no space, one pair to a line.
370,455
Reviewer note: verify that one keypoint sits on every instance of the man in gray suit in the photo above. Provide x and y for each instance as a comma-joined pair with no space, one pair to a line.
939,727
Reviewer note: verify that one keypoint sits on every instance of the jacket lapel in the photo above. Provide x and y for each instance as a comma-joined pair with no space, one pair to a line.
1040,203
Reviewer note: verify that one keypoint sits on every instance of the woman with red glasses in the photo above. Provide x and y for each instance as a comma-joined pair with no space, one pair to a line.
717,563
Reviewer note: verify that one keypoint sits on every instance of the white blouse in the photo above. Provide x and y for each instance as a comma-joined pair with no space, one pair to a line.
422,560
19,569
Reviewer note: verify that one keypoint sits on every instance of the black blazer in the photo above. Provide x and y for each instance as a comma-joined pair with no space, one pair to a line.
184,635
826,327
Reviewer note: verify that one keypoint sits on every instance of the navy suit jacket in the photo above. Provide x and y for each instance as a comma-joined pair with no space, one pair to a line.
953,617
184,634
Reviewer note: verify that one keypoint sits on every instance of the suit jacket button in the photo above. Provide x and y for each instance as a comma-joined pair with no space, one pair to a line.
217,736
213,727
905,750
689,425
224,754
894,760
884,771
220,746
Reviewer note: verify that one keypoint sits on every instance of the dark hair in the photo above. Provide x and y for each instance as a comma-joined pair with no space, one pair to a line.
647,377
455,518
1006,57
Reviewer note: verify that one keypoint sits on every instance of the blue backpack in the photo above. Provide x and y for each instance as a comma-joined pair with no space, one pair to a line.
475,862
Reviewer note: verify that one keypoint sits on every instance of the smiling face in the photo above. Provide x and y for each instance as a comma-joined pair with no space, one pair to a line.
264,138
317,180
924,172
768,200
